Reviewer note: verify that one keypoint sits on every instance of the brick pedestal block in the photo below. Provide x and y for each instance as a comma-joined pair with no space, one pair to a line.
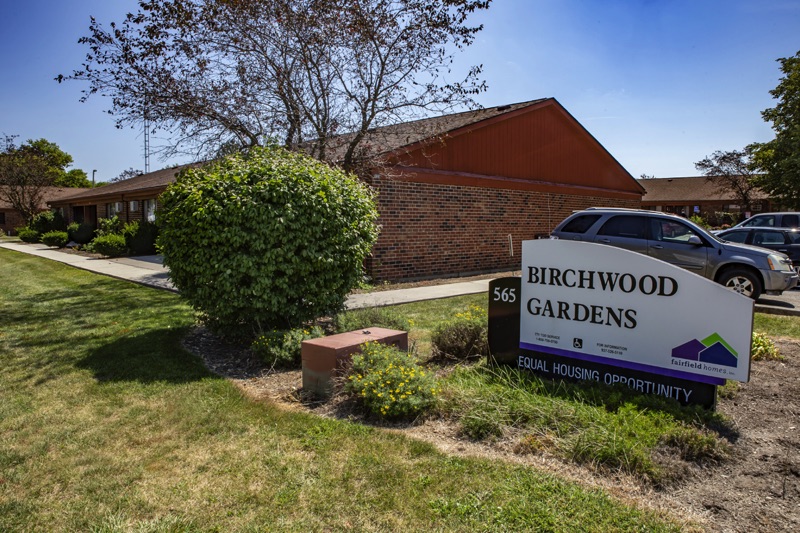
324,356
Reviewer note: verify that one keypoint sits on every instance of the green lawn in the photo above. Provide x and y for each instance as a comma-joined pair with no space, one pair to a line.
106,424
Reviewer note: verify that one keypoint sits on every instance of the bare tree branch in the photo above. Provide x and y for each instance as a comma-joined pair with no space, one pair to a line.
210,72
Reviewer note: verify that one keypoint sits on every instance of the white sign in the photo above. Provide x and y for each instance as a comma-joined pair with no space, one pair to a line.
609,305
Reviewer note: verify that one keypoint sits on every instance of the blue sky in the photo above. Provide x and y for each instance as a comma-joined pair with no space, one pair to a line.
659,83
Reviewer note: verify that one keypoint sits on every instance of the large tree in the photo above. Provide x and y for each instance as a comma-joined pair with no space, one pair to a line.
213,72
779,159
732,172
26,171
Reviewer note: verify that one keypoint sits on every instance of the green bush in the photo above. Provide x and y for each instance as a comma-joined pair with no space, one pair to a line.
697,219
141,237
281,349
384,317
80,233
111,245
763,348
59,239
109,226
463,337
265,240
47,221
28,235
390,383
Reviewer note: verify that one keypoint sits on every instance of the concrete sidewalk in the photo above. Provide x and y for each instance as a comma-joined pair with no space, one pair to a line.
148,270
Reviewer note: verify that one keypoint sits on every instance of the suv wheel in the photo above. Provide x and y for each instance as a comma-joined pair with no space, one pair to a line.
742,281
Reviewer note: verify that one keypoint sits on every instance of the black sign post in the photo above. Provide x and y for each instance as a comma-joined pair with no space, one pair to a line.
504,329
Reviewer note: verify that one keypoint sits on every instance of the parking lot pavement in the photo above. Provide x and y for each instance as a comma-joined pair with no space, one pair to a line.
787,303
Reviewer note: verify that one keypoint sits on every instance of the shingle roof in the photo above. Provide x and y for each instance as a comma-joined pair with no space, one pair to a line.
378,141
51,193
152,180
687,190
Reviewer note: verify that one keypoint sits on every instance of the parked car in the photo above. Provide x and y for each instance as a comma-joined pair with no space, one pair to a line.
748,270
771,220
784,240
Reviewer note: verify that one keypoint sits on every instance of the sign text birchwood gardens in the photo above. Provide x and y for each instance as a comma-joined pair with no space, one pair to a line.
593,312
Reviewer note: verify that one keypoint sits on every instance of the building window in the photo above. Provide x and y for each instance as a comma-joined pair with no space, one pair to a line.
114,209
2,217
133,206
149,210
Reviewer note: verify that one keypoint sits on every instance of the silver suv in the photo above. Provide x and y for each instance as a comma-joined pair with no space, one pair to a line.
771,220
745,269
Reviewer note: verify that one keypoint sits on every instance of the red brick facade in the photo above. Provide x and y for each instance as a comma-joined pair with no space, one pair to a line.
10,219
451,189
430,230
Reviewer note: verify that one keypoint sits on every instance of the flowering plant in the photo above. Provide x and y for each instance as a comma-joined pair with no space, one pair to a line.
391,383
763,348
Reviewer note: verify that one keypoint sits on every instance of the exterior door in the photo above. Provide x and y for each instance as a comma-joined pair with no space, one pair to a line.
669,241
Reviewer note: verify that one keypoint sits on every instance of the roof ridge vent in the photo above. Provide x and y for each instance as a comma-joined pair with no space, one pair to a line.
503,107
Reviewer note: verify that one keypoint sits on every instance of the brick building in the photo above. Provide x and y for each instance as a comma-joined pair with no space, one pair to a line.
10,218
706,196
456,194
462,191
133,199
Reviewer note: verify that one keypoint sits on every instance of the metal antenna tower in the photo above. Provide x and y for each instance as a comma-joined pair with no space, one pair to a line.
146,145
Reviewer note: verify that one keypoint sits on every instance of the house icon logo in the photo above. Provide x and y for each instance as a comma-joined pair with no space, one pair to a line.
713,349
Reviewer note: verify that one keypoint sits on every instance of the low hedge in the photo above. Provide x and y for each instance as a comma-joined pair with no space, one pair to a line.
111,245
58,239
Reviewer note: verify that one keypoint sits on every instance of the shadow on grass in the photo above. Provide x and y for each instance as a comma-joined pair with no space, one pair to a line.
154,356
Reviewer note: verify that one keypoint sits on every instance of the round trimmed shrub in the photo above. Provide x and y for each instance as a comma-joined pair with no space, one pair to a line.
58,239
265,241
111,245
28,235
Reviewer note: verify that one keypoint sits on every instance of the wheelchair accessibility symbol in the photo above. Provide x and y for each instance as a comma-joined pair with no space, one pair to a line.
577,343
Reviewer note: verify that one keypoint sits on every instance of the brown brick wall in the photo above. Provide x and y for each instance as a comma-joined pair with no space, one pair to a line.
431,230
12,220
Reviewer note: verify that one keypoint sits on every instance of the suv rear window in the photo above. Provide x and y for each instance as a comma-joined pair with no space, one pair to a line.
790,221
580,224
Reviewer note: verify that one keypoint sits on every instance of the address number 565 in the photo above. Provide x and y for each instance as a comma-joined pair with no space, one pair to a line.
507,295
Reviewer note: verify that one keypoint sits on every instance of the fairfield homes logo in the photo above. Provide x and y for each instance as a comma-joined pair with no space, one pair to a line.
712,350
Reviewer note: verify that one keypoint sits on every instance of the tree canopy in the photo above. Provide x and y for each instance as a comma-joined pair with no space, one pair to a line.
216,72
779,159
26,170
733,173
